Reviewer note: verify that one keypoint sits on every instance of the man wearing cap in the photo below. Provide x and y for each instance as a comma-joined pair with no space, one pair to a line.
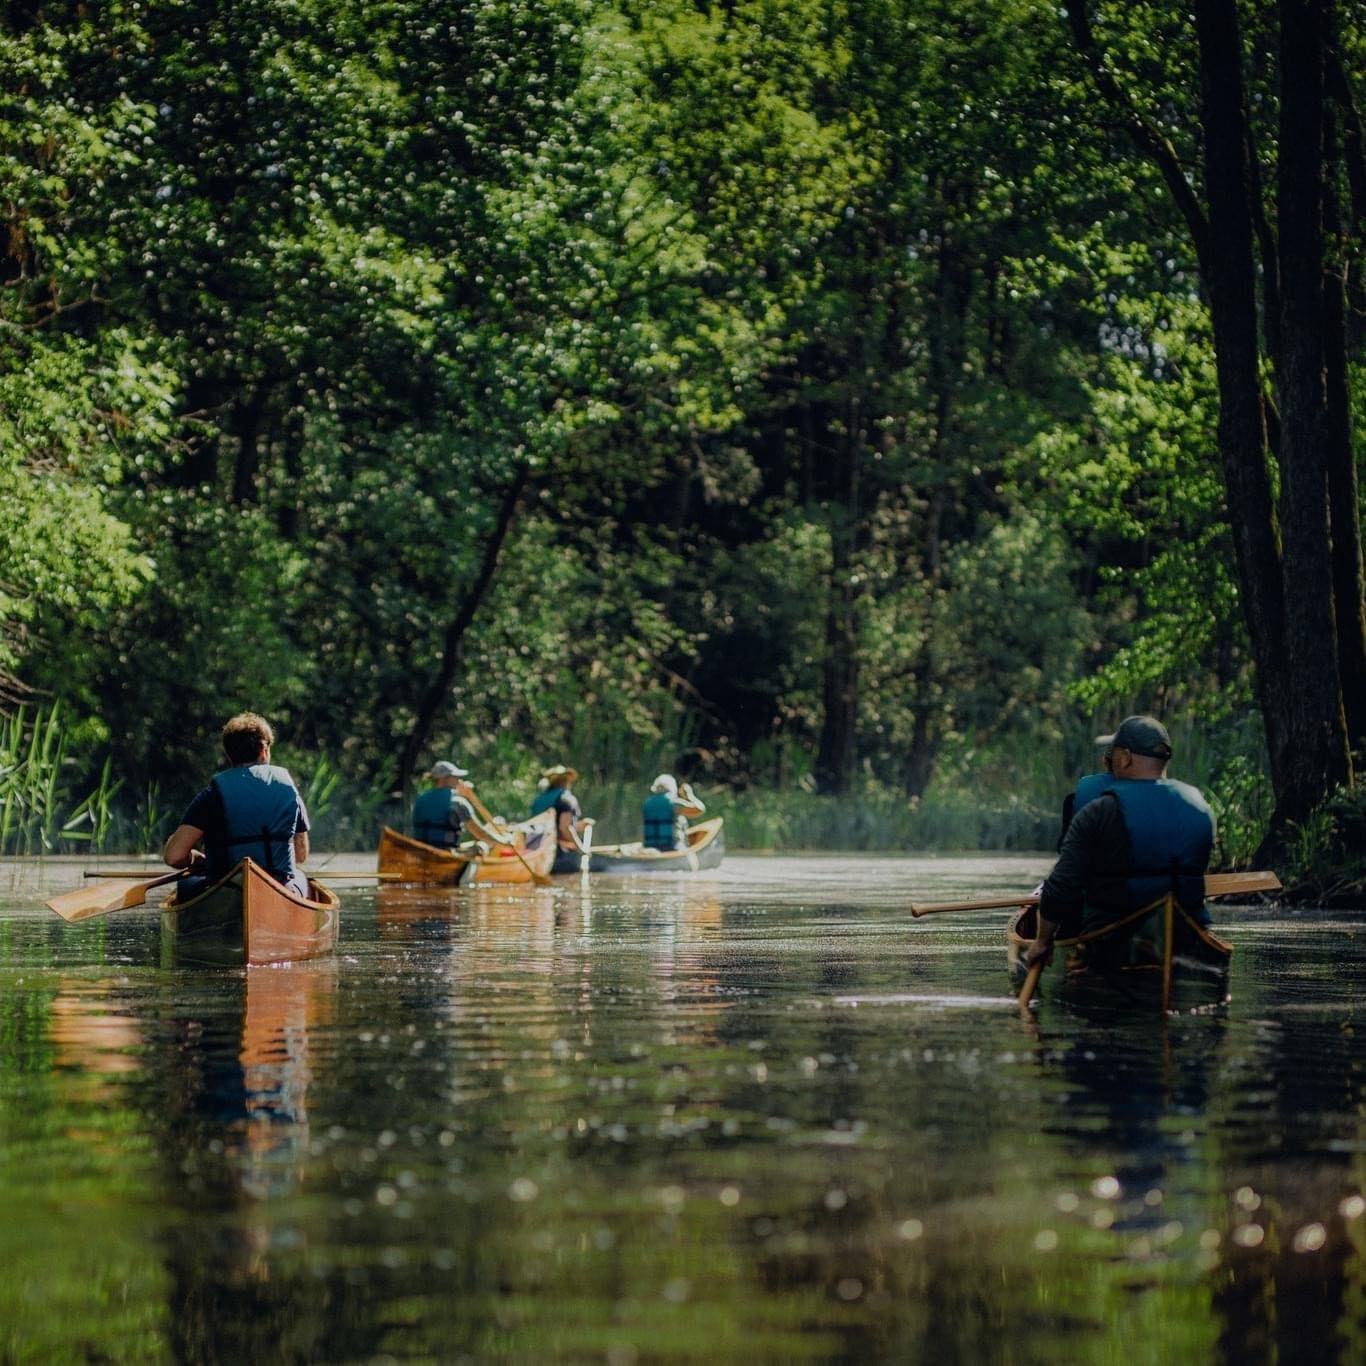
665,814
1134,835
569,818
442,811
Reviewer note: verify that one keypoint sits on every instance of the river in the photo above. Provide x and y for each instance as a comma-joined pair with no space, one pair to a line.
758,1115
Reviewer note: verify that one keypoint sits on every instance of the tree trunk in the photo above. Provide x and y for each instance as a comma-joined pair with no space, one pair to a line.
1349,590
1316,730
1231,285
439,689
837,757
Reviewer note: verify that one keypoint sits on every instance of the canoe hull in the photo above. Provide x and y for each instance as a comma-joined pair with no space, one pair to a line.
411,860
706,848
536,843
248,917
1129,963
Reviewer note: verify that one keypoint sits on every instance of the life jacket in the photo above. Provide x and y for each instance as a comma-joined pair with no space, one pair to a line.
661,829
1171,833
1091,787
260,816
545,799
432,818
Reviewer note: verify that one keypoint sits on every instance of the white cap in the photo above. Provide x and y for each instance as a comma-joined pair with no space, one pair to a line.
665,784
443,768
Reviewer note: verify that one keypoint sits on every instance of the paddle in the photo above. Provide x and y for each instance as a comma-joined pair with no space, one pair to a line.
1030,982
1216,884
586,846
118,894
316,877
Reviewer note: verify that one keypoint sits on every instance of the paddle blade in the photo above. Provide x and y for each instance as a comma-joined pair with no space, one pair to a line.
116,895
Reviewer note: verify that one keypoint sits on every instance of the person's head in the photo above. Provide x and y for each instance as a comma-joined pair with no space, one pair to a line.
446,774
665,784
558,775
1139,748
247,739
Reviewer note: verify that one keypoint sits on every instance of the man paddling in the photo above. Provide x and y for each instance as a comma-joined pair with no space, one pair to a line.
444,809
1134,835
249,810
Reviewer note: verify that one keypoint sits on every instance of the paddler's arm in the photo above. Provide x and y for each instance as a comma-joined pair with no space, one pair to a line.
1063,893
463,789
688,803
301,846
179,850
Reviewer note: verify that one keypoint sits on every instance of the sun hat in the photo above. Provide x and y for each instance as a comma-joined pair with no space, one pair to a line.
559,772
1140,735
666,784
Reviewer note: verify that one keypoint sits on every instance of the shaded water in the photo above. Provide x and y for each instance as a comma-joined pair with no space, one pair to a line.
760,1114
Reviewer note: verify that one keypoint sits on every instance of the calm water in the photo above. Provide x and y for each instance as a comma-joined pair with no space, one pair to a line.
758,1115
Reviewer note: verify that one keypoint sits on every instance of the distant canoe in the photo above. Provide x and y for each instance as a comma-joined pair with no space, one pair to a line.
248,917
1150,956
706,848
410,860
413,861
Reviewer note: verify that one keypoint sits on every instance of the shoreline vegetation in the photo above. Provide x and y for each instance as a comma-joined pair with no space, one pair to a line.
59,796
851,408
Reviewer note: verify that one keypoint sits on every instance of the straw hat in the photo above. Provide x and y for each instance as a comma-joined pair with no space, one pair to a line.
558,773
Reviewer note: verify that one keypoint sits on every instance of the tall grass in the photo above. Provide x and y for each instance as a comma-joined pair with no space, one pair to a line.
39,812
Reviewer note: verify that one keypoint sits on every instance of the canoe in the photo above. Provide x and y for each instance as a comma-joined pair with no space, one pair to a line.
248,917
1159,954
706,848
414,861
411,860
536,842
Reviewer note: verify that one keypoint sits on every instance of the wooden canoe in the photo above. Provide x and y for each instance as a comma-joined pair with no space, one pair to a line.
248,917
414,861
535,841
706,848
1158,954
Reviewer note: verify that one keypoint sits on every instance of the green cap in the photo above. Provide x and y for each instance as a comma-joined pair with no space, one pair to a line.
1140,735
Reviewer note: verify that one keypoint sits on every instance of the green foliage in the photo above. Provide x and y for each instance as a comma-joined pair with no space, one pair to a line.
849,375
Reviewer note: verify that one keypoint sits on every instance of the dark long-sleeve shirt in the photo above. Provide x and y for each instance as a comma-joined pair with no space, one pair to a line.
1094,850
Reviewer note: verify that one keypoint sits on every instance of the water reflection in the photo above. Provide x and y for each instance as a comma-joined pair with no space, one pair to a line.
762,1115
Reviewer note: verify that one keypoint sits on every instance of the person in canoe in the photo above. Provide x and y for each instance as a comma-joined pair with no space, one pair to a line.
1134,834
441,812
250,809
570,822
666,812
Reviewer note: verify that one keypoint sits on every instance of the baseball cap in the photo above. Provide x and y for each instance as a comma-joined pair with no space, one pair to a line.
443,768
1140,735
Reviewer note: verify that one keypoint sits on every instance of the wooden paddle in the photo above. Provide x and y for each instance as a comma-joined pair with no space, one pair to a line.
308,872
1216,884
117,894
1031,981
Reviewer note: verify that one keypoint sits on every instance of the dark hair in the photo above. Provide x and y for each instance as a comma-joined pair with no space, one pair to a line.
245,736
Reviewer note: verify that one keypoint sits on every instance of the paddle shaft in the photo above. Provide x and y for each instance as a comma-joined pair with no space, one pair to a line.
1216,884
317,877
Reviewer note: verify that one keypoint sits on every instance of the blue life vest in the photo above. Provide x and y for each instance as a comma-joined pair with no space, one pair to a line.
1171,833
432,822
661,830
1091,787
544,800
260,818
